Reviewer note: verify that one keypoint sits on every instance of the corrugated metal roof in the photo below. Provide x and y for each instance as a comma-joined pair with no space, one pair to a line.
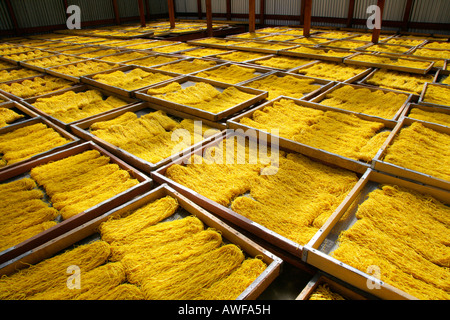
5,21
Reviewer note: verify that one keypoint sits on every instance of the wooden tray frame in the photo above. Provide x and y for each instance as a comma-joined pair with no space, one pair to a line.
363,82
229,234
353,79
422,95
410,106
329,44
19,62
19,99
279,244
77,79
27,64
259,96
388,66
28,246
325,85
405,173
314,252
318,98
347,291
122,92
81,129
74,140
79,88
326,156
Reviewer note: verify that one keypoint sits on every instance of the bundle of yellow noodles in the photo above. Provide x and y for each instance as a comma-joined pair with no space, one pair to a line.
53,271
331,71
23,143
203,52
282,62
84,68
8,116
288,85
437,94
430,116
229,74
391,61
36,86
135,79
340,133
324,292
152,137
320,52
201,96
410,247
24,213
173,48
73,106
419,148
411,83
16,74
294,202
364,100
187,66
152,61
79,182
126,56
56,60
240,56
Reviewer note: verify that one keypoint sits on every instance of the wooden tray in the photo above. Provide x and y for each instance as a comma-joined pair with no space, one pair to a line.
17,98
331,44
279,244
319,98
49,235
324,84
259,71
89,229
406,111
81,129
318,56
77,79
253,62
191,80
73,139
28,63
356,78
325,156
8,58
388,66
381,165
223,45
317,251
363,82
168,64
424,91
122,92
347,291
366,49
135,62
79,88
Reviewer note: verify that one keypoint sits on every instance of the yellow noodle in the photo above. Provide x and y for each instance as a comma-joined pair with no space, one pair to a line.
231,287
139,219
430,116
125,291
186,280
24,234
324,292
52,271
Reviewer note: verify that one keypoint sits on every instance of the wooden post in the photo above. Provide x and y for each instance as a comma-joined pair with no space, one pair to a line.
147,10
171,13
351,11
307,18
209,18
251,16
199,9
116,11
262,12
228,9
407,14
142,12
302,12
376,32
